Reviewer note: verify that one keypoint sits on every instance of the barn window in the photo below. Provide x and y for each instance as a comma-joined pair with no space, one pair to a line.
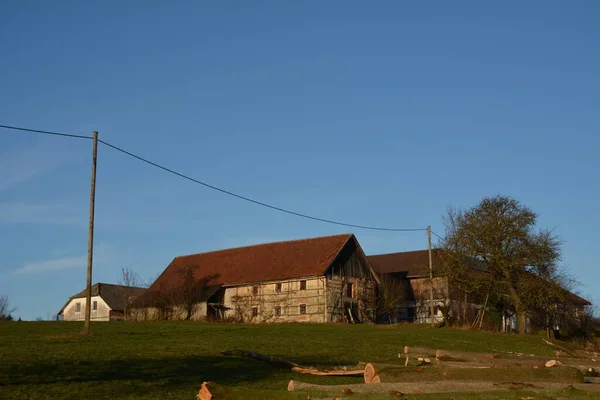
255,290
278,287
277,311
77,307
302,308
350,290
302,285
95,305
255,311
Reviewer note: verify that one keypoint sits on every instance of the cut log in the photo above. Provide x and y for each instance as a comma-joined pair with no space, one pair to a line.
377,373
204,393
370,373
292,365
562,348
553,363
334,372
420,351
438,386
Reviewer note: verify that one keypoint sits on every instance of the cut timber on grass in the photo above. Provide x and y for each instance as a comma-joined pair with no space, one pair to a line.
388,373
562,348
204,393
419,351
553,363
440,386
292,365
443,355
334,372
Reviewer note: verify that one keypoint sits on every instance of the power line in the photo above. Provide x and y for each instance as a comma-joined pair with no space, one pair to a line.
16,128
439,237
260,203
227,192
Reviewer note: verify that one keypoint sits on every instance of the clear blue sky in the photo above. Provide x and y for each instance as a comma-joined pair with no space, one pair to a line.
381,113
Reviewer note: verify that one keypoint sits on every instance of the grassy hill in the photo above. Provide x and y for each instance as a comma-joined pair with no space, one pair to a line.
171,359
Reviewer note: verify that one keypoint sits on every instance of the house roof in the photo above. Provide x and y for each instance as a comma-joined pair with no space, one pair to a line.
416,264
258,263
114,296
412,263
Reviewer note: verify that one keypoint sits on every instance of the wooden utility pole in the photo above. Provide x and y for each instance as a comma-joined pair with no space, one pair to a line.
88,296
432,308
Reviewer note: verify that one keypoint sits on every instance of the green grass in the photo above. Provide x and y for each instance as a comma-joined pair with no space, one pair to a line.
156,360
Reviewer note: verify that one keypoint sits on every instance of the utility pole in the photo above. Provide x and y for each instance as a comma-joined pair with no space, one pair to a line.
432,308
88,297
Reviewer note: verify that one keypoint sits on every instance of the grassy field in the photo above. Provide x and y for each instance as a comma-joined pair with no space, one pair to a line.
156,360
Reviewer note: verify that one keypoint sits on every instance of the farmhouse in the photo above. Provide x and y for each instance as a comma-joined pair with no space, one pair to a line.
324,279
412,267
109,302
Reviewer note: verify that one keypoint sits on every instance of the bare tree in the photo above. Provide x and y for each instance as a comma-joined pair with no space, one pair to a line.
6,309
391,294
189,291
510,255
129,278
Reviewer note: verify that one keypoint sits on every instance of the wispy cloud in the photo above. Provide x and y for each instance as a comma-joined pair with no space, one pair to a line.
69,215
27,213
51,265
22,164
56,264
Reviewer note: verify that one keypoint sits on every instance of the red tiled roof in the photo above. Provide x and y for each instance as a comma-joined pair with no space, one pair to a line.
413,263
263,262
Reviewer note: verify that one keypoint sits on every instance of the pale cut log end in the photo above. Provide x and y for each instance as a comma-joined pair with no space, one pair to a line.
405,349
553,363
291,386
204,393
369,373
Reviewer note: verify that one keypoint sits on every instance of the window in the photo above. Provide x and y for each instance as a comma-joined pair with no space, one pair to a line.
95,305
77,307
277,311
302,308
254,311
349,290
278,287
302,285
255,290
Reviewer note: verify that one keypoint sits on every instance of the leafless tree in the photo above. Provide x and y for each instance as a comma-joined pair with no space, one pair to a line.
391,294
497,243
129,278
6,309
189,290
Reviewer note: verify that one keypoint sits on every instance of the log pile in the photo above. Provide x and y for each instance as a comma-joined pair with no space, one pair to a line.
438,365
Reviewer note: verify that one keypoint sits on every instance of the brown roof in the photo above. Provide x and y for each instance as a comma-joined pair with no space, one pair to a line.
263,262
413,263
416,264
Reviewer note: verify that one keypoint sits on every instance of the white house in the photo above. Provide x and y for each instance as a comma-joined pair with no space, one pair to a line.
109,302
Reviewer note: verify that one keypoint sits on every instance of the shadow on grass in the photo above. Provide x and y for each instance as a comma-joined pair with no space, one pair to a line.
173,370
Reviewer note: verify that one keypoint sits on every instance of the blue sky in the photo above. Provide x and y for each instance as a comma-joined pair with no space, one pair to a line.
382,113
